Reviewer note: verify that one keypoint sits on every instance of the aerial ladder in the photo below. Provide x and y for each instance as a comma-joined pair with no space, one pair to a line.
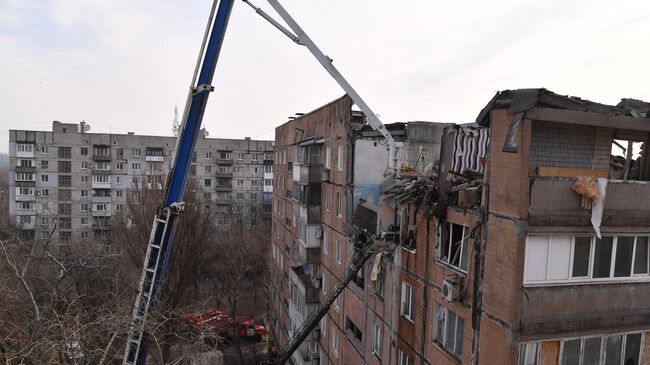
159,247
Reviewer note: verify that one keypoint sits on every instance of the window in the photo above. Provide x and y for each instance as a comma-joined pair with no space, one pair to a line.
100,207
83,151
208,182
339,159
338,204
119,166
224,155
326,242
24,147
255,169
65,208
65,223
85,207
64,236
328,157
101,178
403,359
380,282
240,156
135,166
553,259
135,194
240,182
224,169
65,180
335,342
84,221
45,235
406,301
25,191
327,200
323,325
44,164
25,205
84,193
135,152
119,193
84,165
26,176
120,153
254,182
268,169
84,235
455,245
614,349
448,329
208,169
119,207
44,178
135,180
376,340
84,179
337,252
208,155
353,330
45,192
65,152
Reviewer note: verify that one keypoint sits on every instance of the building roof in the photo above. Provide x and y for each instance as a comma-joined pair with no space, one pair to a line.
524,99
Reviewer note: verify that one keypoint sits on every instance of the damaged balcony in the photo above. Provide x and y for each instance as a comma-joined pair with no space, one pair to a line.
562,154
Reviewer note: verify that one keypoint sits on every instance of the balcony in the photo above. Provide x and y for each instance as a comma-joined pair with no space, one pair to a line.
308,173
223,188
25,169
310,214
154,158
101,226
553,203
101,185
25,154
224,161
101,157
100,199
101,172
27,225
227,175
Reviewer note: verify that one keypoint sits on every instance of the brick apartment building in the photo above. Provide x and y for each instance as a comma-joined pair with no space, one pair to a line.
83,179
497,259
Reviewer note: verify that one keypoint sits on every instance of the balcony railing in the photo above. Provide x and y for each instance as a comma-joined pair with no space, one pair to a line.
102,157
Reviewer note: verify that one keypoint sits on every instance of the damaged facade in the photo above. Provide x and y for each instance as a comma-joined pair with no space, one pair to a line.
520,239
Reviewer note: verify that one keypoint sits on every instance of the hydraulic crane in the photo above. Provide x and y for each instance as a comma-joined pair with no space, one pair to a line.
162,231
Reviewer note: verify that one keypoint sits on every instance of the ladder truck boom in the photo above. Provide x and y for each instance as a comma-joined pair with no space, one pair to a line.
300,37
364,248
159,247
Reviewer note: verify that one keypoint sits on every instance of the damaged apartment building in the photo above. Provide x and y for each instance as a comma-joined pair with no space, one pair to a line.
519,239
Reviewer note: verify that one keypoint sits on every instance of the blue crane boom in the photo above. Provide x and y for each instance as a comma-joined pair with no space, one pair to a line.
162,232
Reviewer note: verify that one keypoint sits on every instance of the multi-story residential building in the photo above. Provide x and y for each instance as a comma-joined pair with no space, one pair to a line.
527,243
82,179
328,164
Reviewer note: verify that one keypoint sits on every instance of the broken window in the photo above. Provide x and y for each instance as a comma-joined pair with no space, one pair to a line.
408,228
448,328
454,242
628,160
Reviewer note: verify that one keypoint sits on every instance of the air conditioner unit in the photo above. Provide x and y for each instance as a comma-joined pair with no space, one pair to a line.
315,335
450,290
325,175
319,233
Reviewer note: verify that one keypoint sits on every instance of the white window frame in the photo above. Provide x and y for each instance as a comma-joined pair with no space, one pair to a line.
465,245
403,359
449,347
603,344
339,203
376,340
589,279
335,342
339,158
337,252
406,308
325,242
328,157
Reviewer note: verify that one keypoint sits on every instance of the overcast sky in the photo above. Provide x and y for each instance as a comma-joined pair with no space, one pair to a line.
122,65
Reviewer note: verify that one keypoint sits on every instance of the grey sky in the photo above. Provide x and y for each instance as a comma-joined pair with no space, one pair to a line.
122,65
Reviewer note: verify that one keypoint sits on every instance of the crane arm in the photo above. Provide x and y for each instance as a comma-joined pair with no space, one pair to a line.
364,249
159,247
300,37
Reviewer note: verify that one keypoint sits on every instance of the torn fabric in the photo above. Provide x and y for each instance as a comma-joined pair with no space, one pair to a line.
599,205
376,268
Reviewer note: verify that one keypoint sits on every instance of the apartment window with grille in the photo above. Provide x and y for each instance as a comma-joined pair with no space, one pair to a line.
65,208
65,180
65,223
406,301
44,164
65,166
83,151
448,329
65,236
65,152
376,340
66,194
